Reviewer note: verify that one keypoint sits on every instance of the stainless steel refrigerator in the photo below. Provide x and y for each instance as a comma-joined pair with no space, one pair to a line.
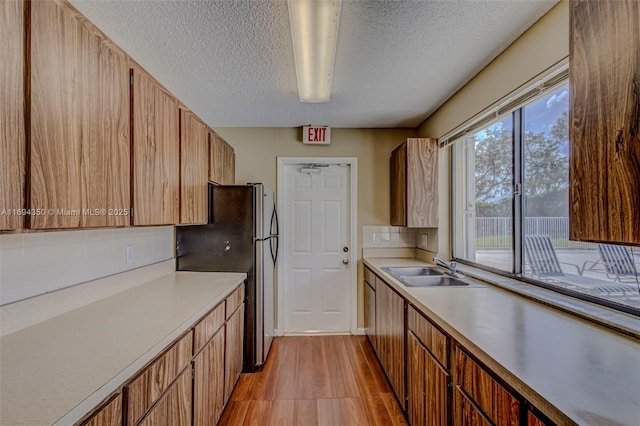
241,236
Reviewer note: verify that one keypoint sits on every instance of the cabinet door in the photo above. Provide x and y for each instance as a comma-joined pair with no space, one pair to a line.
399,186
109,415
208,385
489,396
390,321
234,353
229,165
174,407
216,158
416,391
156,153
145,389
79,122
466,413
437,385
194,163
13,145
370,314
604,169
422,183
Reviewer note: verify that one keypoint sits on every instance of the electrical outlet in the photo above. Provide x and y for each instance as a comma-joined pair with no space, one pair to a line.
128,251
425,240
376,238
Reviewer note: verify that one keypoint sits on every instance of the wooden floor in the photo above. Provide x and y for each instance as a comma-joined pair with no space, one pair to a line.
319,380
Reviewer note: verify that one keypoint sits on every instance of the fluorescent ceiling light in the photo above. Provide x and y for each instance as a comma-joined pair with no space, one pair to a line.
314,29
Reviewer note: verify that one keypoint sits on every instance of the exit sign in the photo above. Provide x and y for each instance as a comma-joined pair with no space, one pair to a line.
316,135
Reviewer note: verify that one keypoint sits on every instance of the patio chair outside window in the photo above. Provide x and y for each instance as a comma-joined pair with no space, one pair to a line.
544,264
617,261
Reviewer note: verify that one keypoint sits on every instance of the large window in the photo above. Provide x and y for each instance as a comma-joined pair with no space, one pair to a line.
511,208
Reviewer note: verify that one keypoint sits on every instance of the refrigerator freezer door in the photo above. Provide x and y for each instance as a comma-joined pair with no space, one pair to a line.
264,206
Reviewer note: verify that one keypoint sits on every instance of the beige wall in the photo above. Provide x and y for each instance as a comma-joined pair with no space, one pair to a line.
541,46
257,148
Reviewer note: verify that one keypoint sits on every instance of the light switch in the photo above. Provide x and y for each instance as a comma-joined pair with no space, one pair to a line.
376,238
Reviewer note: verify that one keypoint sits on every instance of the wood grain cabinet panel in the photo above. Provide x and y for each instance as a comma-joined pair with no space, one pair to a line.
428,384
497,404
466,413
207,327
433,339
12,109
194,163
390,336
233,351
604,117
142,391
156,152
370,314
533,420
234,300
208,385
79,155
414,183
108,415
222,161
174,406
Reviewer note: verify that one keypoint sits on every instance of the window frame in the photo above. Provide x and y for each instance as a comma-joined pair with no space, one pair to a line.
518,215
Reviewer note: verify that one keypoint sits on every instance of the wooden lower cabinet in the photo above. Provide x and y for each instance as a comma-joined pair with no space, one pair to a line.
233,350
208,384
370,314
428,386
174,406
487,395
109,415
466,413
390,329
147,387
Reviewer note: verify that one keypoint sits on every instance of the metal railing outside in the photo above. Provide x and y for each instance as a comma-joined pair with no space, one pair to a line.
495,233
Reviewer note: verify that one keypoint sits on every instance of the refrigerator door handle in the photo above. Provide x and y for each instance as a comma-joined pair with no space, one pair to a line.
274,253
274,222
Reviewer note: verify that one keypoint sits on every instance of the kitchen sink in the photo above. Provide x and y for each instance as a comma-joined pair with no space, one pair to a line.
426,281
413,271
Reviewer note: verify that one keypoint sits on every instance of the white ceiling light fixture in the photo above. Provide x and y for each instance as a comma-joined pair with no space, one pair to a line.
314,30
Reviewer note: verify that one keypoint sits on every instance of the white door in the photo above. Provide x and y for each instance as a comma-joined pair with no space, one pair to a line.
316,249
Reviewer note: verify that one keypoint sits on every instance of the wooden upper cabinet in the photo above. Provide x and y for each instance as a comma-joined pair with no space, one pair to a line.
194,163
12,104
80,147
414,184
222,161
604,117
155,153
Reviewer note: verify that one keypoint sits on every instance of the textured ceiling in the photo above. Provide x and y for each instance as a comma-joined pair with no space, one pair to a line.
232,61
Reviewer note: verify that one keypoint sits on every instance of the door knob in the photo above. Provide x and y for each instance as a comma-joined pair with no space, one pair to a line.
345,261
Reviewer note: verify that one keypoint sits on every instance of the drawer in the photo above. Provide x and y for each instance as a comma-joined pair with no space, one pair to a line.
207,327
234,300
147,387
370,277
110,414
434,340
487,394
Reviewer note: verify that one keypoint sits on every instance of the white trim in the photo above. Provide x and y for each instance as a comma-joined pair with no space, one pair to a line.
353,208
361,331
537,85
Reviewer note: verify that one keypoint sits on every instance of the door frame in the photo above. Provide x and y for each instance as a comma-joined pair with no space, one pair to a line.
353,237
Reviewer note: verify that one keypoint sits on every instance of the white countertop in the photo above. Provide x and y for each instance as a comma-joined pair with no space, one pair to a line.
555,360
56,371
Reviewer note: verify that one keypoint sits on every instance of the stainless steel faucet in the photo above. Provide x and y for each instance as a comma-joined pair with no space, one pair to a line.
451,266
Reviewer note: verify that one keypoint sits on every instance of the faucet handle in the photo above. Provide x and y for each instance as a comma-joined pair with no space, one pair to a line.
453,265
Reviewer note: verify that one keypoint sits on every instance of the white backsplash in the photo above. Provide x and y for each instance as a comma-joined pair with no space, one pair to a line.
41,262
398,236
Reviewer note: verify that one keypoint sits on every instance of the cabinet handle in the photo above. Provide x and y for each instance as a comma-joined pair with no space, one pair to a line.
636,108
